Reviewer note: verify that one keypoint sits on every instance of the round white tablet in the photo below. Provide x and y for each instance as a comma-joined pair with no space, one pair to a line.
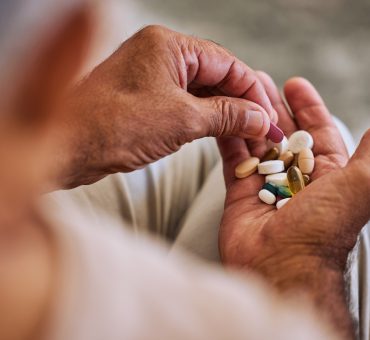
267,196
300,140
270,167
282,202
278,180
282,146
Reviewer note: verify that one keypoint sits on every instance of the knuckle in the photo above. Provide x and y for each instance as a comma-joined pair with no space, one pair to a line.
152,32
225,116
189,125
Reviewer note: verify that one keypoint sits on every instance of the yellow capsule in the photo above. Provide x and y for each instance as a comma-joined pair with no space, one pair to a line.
295,179
271,155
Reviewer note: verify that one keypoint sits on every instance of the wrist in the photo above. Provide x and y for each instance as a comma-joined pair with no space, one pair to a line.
297,271
75,156
318,280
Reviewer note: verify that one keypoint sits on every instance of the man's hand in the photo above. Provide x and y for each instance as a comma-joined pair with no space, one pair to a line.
304,245
158,91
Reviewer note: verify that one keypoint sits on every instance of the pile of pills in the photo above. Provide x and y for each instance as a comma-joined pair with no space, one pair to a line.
286,165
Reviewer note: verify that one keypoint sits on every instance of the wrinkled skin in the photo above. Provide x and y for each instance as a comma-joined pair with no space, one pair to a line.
158,91
318,225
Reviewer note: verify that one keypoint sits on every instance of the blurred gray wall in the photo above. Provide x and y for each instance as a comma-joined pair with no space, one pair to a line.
327,41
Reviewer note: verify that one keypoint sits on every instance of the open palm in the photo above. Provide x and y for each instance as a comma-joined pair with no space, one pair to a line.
252,232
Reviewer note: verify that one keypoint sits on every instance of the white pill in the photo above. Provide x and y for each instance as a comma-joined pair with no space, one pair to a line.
300,140
282,146
267,196
282,202
270,167
280,179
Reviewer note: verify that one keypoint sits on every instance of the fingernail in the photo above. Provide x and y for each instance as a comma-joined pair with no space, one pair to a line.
255,122
275,134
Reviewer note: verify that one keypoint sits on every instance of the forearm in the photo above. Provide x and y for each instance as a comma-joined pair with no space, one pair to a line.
317,280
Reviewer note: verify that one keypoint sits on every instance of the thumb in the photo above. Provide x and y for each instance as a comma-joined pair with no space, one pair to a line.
226,116
358,175
362,154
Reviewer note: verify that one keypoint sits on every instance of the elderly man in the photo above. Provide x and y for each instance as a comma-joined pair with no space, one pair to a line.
71,270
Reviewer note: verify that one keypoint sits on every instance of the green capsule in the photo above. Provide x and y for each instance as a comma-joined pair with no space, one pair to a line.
295,179
270,187
284,192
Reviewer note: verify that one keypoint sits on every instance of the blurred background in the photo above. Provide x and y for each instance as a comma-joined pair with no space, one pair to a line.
326,41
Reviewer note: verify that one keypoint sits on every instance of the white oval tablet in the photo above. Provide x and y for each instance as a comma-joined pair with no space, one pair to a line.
280,179
282,146
267,196
270,167
282,202
300,140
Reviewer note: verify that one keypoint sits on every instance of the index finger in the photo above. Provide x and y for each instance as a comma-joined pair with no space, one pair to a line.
210,65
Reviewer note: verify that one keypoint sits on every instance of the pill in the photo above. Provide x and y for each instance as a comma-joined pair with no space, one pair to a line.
280,179
295,179
287,157
300,140
275,134
306,179
271,155
247,167
282,146
270,167
270,187
267,197
295,160
283,191
306,161
281,203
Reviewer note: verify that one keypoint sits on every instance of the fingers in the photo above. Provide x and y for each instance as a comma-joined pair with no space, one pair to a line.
210,65
286,122
258,147
225,116
312,115
306,104
233,151
356,185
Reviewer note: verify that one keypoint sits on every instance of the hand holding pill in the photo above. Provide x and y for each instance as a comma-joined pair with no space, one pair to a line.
191,88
